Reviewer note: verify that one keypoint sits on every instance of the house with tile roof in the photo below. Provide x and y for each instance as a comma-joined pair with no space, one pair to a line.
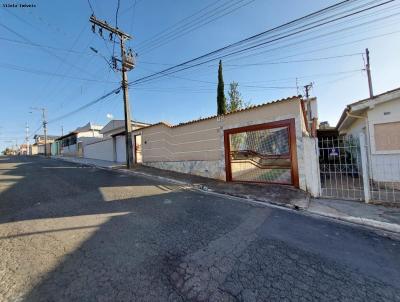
378,119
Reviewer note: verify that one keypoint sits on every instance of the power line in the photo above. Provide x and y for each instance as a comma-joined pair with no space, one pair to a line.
47,73
99,99
91,7
184,65
306,40
52,89
242,41
116,26
187,28
315,50
160,34
296,61
174,69
46,46
47,51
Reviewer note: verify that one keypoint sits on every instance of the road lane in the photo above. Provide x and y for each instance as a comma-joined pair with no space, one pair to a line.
75,233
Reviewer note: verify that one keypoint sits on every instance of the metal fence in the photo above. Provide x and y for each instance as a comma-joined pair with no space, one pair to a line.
349,170
340,168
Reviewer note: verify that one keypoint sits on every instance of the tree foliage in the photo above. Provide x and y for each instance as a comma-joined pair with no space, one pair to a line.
235,101
221,100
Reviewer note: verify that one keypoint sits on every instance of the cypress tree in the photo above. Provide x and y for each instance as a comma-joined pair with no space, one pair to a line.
221,100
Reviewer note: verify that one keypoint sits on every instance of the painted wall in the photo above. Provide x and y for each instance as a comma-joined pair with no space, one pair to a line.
385,165
91,133
311,166
120,149
70,150
102,150
198,148
33,149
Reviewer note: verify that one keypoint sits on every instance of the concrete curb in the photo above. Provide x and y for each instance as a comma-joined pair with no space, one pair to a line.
365,222
384,226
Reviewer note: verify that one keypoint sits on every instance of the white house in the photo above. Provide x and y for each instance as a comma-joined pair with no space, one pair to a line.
111,146
379,119
72,144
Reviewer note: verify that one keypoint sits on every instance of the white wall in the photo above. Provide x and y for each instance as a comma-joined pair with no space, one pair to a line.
102,150
91,133
69,150
311,165
385,165
120,149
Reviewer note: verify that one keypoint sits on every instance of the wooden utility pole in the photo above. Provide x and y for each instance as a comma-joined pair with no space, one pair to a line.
308,88
44,130
127,63
309,116
368,69
44,121
27,138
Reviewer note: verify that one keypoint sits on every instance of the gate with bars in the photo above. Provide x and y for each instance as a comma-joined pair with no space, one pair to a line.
349,171
264,153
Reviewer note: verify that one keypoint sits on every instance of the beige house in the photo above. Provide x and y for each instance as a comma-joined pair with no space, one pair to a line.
264,143
378,118
38,147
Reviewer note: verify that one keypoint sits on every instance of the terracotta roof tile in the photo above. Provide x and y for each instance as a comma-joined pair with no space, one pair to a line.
240,110
215,116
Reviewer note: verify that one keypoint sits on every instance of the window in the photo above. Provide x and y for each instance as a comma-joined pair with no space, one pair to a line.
387,136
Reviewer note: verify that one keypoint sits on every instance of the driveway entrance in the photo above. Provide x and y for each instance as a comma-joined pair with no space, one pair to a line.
263,153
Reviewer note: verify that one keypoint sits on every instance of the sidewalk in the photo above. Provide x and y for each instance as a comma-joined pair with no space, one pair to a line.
375,216
279,195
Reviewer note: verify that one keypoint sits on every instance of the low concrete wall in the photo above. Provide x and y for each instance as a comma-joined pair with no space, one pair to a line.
70,150
211,169
195,147
102,150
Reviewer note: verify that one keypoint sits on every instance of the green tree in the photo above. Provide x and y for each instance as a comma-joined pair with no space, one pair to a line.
235,98
221,100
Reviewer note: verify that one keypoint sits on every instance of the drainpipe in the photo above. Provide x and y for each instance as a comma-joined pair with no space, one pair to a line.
368,138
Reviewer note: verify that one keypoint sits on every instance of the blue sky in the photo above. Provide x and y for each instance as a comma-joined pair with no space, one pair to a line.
56,75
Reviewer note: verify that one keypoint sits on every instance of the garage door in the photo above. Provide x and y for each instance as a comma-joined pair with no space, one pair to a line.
264,153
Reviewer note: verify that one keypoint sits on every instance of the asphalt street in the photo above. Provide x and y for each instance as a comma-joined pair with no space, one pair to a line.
75,233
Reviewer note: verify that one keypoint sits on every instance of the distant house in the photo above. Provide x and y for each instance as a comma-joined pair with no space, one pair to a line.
38,147
23,149
117,127
378,118
111,146
72,143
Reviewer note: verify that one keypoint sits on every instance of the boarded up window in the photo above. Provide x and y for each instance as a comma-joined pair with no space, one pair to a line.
387,136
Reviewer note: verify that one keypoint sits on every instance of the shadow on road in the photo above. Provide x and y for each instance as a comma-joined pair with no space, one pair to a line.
74,233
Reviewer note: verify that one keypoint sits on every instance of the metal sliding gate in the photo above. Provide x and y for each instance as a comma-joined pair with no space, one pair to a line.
262,153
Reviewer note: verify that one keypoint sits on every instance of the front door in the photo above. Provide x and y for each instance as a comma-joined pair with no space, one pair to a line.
138,149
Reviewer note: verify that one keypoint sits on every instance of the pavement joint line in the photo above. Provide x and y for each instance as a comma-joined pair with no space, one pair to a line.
376,226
